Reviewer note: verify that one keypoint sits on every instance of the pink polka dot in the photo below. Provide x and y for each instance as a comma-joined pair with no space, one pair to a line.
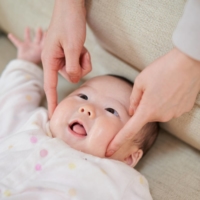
43,153
33,139
38,167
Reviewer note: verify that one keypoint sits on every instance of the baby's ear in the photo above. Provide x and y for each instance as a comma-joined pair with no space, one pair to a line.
134,158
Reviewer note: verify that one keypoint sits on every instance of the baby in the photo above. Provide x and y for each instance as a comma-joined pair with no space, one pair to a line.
64,157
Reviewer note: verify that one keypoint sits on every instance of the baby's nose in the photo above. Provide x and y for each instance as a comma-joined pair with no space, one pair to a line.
87,110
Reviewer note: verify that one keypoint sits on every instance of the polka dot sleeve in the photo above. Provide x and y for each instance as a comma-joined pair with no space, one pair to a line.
21,90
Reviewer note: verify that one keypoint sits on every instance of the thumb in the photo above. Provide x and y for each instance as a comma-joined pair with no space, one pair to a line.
135,98
72,65
131,128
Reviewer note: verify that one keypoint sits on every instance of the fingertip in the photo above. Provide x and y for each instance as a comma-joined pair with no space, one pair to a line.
49,115
73,71
86,64
87,56
131,111
74,79
109,153
113,146
73,74
51,110
9,36
39,28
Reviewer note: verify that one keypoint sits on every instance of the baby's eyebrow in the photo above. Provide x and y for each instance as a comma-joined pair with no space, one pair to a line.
85,86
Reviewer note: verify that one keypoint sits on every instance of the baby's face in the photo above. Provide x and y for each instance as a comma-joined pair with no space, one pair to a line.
90,117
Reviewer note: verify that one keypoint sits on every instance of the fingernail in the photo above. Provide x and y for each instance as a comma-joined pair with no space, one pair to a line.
87,55
131,111
109,153
74,79
49,115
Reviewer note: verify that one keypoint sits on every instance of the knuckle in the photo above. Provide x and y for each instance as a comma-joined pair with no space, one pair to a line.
128,136
152,113
73,49
47,89
73,71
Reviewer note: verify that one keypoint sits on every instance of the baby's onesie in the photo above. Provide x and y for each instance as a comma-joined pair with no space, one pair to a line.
36,166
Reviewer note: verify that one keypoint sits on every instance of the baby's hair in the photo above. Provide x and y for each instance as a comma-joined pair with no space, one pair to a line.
122,78
147,136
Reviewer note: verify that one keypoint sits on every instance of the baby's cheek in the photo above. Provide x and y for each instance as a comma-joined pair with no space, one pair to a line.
106,128
55,126
102,133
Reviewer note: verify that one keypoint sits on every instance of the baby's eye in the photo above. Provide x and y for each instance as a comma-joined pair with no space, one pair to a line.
113,111
83,96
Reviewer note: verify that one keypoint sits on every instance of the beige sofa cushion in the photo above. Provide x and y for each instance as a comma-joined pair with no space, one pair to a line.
172,169
136,31
7,52
16,15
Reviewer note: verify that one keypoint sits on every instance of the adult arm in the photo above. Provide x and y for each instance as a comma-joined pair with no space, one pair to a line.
63,47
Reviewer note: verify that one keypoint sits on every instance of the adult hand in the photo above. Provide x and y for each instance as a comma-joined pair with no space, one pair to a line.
63,47
164,90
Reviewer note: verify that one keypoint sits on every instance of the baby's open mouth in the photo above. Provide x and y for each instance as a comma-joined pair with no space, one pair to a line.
78,128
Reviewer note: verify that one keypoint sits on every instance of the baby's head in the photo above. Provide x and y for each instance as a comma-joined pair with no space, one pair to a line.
90,117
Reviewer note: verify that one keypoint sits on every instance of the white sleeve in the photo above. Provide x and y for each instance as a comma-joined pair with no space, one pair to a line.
21,90
186,36
138,189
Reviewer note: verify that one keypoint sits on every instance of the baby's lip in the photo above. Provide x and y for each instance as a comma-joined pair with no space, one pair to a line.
81,133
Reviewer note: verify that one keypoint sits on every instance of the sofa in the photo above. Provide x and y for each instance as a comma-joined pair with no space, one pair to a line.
124,37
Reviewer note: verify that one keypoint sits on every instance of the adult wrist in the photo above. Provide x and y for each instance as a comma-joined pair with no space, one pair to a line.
188,63
78,3
70,6
188,60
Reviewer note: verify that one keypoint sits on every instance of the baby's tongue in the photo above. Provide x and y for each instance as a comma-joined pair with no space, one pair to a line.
79,129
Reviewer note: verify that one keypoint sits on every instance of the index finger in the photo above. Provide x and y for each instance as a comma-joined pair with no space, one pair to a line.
50,87
132,127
